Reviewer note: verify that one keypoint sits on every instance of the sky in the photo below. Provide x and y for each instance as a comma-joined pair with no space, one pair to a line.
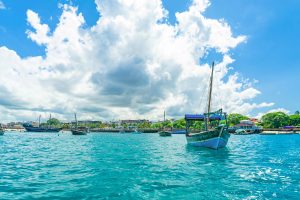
121,59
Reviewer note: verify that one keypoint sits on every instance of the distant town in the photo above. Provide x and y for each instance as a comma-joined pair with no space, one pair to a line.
269,121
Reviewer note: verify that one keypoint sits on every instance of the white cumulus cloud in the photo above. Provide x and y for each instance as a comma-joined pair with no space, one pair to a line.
130,64
2,6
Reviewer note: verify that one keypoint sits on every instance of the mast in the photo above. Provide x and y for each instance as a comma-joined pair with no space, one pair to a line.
210,94
76,123
210,87
49,124
39,120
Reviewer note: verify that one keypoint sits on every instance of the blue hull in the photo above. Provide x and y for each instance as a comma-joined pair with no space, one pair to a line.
213,143
30,128
179,132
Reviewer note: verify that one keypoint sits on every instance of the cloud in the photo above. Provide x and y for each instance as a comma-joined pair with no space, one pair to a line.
259,115
42,30
2,6
130,64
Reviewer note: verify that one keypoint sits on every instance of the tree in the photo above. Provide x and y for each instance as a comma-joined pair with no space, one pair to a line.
167,124
275,120
179,124
297,112
144,125
294,120
66,126
234,118
53,122
157,125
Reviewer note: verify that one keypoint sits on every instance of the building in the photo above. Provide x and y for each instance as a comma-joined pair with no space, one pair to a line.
248,126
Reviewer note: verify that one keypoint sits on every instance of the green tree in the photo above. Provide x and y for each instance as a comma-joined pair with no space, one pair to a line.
297,112
66,126
179,124
235,118
53,122
167,124
294,120
275,120
144,125
157,125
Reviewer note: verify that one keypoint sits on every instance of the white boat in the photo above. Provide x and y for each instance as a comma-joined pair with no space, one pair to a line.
246,127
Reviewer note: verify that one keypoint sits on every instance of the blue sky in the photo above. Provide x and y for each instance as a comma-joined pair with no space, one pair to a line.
270,55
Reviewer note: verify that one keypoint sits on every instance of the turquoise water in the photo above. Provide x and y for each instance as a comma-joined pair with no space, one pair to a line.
146,166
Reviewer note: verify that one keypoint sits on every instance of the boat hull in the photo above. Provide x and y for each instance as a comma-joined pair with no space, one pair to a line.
209,139
78,132
38,129
165,133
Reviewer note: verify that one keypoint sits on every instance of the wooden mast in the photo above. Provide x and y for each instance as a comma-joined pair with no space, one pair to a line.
210,87
210,94
39,120
76,125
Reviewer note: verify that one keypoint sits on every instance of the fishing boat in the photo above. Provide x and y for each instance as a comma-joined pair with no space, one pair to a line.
164,132
29,127
1,130
212,133
79,130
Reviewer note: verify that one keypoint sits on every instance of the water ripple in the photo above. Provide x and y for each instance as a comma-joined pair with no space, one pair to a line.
115,166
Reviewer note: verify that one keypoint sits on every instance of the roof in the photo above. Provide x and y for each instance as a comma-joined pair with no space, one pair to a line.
201,117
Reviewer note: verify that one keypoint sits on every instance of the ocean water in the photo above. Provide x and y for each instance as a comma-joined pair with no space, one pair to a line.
146,166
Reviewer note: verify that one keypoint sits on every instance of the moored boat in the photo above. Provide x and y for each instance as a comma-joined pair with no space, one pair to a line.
79,130
29,127
212,133
246,127
1,130
164,132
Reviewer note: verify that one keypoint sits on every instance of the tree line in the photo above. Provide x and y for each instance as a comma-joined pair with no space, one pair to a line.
269,120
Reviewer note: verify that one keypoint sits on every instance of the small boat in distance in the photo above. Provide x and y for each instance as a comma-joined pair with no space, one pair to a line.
30,128
212,134
79,130
246,127
1,130
134,130
164,132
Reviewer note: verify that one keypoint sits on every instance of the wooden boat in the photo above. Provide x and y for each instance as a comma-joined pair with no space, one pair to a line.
164,132
212,134
79,130
30,128
1,130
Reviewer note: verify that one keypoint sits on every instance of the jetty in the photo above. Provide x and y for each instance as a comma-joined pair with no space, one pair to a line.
280,131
